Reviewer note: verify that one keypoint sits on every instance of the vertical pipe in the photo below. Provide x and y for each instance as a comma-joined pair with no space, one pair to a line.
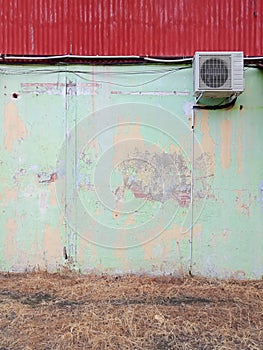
75,169
71,163
192,192
66,165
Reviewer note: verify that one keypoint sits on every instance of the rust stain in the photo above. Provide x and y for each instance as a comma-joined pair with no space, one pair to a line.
35,251
164,241
226,129
10,246
52,196
130,221
207,141
81,253
9,195
125,133
15,130
35,246
52,244
121,255
197,231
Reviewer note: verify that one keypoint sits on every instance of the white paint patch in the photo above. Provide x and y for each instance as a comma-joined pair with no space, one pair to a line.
30,191
43,201
151,93
60,88
187,108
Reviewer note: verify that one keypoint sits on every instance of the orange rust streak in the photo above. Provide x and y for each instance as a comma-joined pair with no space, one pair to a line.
52,243
226,129
9,195
53,197
164,241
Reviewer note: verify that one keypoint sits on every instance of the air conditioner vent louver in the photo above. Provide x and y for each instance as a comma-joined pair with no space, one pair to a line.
218,74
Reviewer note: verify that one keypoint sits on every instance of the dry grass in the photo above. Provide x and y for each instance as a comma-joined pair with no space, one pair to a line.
70,311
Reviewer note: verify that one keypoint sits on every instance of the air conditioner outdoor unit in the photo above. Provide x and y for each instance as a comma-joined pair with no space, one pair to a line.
218,74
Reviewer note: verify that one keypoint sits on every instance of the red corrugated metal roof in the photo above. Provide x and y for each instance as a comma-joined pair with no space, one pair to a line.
130,27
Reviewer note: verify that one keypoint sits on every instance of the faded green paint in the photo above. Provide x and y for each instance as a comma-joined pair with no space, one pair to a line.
98,160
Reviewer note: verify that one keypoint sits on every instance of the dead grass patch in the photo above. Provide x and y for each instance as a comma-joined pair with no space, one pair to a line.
72,311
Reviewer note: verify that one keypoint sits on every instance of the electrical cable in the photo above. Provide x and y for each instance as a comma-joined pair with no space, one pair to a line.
95,57
161,60
255,58
80,74
101,57
132,85
50,71
43,58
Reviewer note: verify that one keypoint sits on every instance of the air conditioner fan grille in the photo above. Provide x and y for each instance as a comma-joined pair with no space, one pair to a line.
215,73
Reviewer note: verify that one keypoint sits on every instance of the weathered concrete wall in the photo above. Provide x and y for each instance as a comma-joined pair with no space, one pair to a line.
96,163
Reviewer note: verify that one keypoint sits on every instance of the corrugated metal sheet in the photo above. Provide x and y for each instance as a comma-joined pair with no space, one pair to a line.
130,27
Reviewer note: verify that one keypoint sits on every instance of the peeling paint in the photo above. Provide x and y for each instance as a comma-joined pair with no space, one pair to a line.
10,245
15,129
157,177
197,231
52,245
207,142
244,201
9,195
53,197
43,202
47,178
166,241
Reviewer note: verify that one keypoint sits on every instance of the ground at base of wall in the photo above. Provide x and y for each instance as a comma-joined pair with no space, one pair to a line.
72,311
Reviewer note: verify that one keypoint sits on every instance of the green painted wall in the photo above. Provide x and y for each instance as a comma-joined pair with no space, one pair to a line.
96,162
